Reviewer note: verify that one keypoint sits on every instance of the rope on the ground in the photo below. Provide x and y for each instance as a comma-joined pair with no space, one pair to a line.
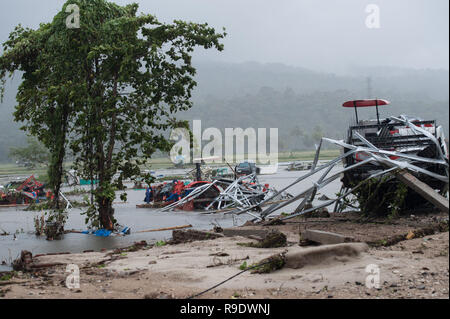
221,283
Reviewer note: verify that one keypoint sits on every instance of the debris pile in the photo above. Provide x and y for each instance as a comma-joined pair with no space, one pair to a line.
223,194
422,165
184,236
274,239
242,192
217,196
299,166
409,153
183,195
24,262
23,193
270,264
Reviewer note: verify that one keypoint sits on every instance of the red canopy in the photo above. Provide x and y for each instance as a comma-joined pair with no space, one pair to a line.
365,103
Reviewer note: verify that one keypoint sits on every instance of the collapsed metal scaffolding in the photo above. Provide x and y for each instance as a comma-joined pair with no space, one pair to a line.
387,165
191,196
244,192
246,195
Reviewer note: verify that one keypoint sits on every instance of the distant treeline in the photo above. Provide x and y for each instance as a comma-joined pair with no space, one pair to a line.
302,104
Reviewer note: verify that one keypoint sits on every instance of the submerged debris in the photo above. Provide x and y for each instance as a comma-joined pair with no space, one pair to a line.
54,230
24,262
53,226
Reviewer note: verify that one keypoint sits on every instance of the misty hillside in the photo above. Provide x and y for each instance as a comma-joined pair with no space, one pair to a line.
10,133
302,103
225,79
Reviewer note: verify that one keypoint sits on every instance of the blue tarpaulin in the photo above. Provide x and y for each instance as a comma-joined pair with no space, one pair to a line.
105,232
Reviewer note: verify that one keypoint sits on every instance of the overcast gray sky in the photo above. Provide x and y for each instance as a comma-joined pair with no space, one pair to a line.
325,35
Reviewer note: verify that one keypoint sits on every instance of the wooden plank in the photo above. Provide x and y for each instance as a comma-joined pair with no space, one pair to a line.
424,190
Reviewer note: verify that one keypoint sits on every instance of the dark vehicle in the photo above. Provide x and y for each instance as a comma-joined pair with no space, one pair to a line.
246,168
407,135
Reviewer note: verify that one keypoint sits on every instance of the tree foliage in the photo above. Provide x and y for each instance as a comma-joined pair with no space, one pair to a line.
43,98
110,89
34,153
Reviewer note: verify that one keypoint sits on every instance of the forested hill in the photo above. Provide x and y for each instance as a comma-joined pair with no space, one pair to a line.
302,103
10,133
224,79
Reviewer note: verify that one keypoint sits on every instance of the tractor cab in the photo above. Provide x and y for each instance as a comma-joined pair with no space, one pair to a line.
405,134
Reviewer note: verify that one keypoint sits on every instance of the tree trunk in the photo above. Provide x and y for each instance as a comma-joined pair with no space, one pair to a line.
104,167
56,170
106,213
105,209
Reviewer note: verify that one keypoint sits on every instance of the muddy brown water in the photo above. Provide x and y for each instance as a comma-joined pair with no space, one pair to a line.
20,223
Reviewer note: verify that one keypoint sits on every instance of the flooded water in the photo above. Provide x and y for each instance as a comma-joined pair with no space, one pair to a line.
20,223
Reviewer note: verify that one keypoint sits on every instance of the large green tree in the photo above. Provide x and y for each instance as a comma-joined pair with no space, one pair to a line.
114,85
45,98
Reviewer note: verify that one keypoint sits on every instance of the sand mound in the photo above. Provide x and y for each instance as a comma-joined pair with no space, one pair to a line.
327,254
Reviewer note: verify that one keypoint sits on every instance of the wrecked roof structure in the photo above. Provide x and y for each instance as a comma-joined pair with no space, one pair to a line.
21,192
412,137
243,192
409,151
383,152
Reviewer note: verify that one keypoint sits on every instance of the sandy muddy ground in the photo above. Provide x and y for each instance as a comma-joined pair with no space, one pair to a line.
414,268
